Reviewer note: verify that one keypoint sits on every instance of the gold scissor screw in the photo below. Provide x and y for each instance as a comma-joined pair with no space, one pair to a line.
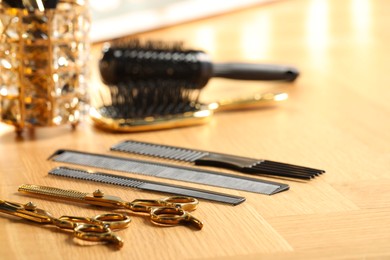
98,193
30,206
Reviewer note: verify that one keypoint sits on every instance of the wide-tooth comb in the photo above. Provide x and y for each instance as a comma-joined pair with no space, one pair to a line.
237,163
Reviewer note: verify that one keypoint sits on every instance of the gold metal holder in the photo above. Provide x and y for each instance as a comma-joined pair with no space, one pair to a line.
43,62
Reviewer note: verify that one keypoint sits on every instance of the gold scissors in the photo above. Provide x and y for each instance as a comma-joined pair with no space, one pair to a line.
168,211
98,228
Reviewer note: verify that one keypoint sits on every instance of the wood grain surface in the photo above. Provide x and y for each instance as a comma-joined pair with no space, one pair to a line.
336,119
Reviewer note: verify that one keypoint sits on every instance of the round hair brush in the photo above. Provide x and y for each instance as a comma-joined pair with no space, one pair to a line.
135,61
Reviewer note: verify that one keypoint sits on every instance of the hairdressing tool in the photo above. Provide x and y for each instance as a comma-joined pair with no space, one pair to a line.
146,185
156,85
169,171
167,211
98,228
136,61
233,162
130,111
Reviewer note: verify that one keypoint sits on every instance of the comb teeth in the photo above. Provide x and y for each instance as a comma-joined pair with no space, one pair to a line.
160,151
98,177
286,170
238,163
52,192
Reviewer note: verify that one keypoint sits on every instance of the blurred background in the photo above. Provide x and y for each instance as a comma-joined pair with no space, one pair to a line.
115,18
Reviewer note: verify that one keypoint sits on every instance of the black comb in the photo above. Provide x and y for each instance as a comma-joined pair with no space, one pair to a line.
237,163
137,62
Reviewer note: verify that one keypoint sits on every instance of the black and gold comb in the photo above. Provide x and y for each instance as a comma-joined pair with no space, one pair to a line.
233,162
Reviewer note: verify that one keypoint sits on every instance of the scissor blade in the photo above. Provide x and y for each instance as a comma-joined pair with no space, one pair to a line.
8,207
22,211
71,195
51,192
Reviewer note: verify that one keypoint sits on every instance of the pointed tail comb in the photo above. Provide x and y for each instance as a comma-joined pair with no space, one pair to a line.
232,162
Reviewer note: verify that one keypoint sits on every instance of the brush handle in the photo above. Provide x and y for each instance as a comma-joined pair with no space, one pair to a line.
247,71
257,100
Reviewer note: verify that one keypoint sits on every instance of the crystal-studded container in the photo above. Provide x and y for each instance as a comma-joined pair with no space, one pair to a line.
44,52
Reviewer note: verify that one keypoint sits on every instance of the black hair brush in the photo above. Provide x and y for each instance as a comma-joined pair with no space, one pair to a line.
156,60
156,85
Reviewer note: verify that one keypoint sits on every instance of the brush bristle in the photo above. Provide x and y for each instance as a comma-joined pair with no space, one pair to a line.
148,79
135,43
140,100
136,61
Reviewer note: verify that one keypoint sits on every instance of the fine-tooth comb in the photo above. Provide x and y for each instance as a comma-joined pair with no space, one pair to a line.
169,171
237,163
146,185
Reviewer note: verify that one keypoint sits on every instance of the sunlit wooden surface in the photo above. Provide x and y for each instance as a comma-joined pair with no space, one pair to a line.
337,119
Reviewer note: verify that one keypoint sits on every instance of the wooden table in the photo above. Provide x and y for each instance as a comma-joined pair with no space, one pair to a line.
336,118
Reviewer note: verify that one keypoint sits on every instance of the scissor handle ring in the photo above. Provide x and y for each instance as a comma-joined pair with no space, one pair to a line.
186,203
169,216
145,205
97,233
114,220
